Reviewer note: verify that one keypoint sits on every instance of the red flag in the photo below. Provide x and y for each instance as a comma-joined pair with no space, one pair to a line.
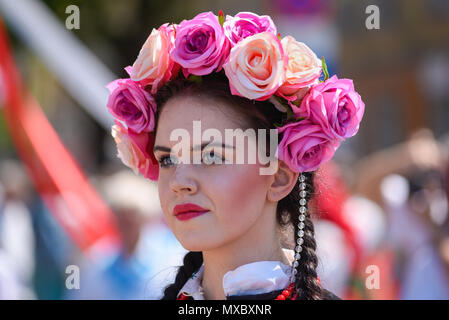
57,177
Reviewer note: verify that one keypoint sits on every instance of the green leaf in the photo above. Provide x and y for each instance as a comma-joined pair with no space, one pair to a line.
280,100
324,66
297,102
221,18
194,78
290,114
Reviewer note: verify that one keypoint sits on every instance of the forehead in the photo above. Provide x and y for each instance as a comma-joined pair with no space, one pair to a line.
181,111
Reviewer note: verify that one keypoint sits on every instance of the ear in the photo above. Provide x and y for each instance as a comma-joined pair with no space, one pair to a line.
283,182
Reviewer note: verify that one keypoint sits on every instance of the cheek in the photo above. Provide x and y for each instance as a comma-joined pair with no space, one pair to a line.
164,194
239,196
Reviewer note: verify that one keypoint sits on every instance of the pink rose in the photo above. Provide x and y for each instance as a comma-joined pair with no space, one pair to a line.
246,24
201,45
135,151
303,69
335,106
256,66
129,102
154,66
304,146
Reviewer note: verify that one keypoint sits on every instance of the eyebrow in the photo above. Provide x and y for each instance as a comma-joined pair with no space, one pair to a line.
211,144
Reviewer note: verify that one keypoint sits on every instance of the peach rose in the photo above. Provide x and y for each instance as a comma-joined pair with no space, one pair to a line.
153,65
256,66
303,69
133,151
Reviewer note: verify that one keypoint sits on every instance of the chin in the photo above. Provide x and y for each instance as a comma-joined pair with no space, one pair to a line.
198,243
192,247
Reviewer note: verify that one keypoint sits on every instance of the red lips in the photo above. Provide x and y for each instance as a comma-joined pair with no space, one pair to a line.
188,211
186,207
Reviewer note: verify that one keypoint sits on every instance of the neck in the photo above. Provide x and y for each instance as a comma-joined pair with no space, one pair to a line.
260,243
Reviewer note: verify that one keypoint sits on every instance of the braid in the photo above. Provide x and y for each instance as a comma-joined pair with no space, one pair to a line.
306,279
288,214
191,263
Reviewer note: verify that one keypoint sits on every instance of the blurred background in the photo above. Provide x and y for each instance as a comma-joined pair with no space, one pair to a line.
382,228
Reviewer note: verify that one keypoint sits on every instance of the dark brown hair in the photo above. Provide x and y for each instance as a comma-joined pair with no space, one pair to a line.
256,115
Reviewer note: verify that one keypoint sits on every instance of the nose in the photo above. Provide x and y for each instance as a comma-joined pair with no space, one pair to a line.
183,181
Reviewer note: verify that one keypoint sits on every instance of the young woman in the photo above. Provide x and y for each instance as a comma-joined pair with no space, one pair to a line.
199,81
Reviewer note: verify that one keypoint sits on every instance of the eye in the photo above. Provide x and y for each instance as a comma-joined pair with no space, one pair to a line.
167,161
211,157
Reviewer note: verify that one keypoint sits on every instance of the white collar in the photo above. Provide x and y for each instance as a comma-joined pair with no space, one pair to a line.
249,279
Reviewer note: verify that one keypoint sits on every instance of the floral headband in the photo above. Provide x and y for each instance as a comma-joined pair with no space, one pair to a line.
321,112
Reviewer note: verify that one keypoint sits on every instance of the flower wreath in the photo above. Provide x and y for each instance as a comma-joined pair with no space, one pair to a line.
321,112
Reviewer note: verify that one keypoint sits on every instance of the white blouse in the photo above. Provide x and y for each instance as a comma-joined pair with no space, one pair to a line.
249,279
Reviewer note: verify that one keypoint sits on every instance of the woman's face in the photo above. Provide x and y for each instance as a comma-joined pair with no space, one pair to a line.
235,195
